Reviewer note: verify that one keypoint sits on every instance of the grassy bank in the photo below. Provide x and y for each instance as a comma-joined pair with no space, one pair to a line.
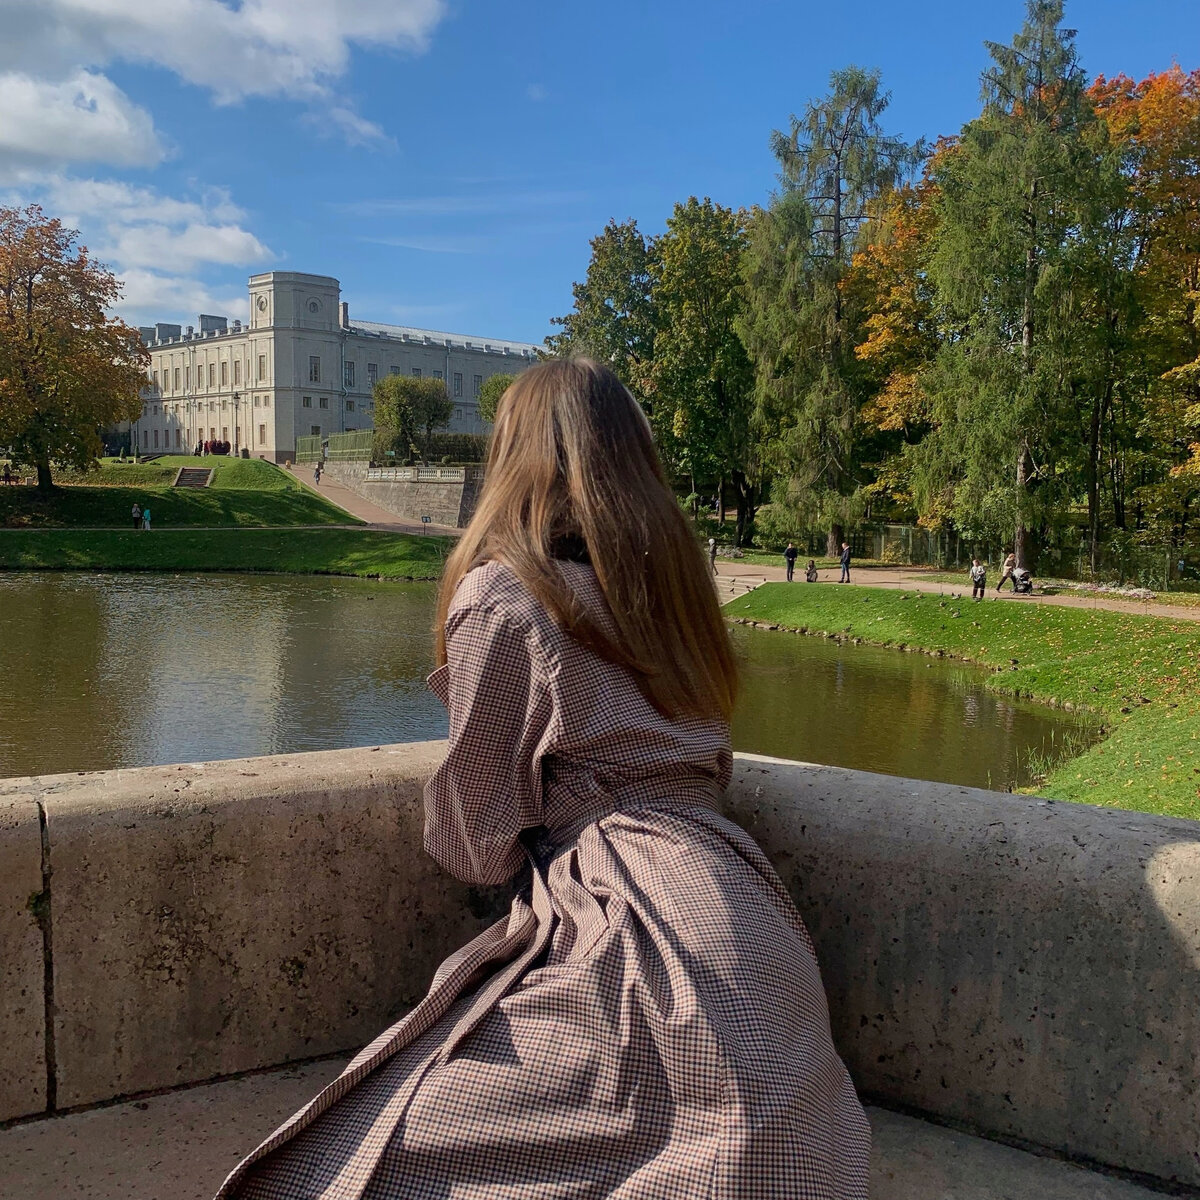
245,492
360,552
1141,675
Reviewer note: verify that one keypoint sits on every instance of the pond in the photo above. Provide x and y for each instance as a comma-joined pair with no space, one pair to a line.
101,671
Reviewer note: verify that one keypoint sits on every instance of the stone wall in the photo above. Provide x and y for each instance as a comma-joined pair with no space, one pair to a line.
1026,968
444,503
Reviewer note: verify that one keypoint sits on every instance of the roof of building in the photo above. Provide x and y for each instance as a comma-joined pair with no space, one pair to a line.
439,337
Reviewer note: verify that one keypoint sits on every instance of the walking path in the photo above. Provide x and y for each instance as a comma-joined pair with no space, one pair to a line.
351,502
735,579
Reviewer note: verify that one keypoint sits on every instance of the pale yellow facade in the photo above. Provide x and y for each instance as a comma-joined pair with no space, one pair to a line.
299,367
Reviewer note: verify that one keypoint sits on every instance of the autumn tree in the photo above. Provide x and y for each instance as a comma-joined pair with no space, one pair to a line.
613,319
835,161
67,368
494,386
699,384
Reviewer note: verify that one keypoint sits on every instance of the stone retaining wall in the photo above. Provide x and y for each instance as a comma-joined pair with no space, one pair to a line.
1027,968
444,502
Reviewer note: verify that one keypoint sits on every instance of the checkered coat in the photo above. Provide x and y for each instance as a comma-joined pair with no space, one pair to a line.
648,1023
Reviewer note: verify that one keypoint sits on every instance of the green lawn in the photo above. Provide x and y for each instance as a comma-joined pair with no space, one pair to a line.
244,492
1141,675
361,552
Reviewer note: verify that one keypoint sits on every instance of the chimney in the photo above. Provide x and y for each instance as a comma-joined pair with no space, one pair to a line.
344,315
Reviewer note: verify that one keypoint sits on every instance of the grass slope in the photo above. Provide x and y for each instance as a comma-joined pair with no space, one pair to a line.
243,492
361,552
1141,674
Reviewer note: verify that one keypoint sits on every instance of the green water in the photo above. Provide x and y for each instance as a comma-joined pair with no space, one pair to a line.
101,671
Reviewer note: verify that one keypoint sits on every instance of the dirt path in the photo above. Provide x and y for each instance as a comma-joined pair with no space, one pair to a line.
735,579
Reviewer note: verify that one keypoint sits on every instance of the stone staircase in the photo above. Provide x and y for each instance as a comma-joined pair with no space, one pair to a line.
729,587
193,477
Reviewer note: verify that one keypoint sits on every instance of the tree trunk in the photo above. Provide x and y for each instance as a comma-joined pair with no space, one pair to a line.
721,502
45,482
745,507
1021,542
833,541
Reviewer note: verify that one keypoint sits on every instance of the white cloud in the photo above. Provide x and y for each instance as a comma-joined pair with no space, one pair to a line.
153,296
82,118
52,52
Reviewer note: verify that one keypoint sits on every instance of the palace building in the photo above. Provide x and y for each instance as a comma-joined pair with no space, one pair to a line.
300,367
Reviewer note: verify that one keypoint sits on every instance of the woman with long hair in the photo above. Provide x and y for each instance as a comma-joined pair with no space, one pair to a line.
649,1020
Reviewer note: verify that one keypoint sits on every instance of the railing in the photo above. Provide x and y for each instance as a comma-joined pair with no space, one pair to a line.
353,446
416,474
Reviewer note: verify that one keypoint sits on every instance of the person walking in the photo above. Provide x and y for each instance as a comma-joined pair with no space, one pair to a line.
978,579
137,515
146,518
1010,565
789,557
845,560
712,554
649,1019
317,475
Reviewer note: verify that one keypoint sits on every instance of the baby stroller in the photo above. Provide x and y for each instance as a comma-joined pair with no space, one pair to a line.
1022,581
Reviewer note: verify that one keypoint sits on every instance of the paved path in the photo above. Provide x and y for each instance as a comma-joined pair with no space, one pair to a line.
180,1145
351,502
735,578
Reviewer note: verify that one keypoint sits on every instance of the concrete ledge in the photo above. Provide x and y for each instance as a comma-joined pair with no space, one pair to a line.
183,1144
1027,967
22,961
1024,968
210,919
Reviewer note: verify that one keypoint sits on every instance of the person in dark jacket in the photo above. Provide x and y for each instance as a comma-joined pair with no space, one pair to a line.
789,557
845,562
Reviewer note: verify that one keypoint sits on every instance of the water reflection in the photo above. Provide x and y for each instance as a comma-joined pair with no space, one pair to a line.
100,671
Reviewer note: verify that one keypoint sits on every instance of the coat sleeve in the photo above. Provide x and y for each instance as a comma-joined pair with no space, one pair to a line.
488,788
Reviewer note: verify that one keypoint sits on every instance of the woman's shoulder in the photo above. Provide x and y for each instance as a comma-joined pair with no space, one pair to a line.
494,587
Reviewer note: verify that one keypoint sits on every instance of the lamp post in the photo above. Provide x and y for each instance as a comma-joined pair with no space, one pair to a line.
237,422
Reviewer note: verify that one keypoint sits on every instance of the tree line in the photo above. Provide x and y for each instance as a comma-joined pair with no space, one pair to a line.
996,333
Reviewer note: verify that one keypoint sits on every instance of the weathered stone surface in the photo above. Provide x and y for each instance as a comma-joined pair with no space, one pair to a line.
22,993
215,918
182,1145
443,502
1025,966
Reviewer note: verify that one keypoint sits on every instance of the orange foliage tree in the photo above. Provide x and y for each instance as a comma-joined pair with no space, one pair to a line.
67,368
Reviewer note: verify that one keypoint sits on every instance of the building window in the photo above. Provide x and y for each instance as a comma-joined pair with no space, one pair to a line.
437,374
416,372
145,435
372,373
349,405
393,370
314,430
212,375
458,383
176,379
262,435
237,371
224,373
477,384
266,402
257,401
224,405
177,439
187,377
306,402
224,433
458,414
314,368
156,439
262,367
323,402
348,375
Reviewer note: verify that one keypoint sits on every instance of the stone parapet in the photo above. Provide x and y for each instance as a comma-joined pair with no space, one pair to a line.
1026,969
448,501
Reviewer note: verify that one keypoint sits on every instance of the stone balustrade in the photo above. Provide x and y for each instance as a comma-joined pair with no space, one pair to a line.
1022,968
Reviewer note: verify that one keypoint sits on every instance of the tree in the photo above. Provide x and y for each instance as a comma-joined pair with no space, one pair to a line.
699,383
494,386
67,369
613,319
407,411
1009,199
835,162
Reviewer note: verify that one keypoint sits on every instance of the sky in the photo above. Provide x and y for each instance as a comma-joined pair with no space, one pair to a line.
448,160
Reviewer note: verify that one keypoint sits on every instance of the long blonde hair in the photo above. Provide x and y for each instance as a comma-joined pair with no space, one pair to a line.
572,471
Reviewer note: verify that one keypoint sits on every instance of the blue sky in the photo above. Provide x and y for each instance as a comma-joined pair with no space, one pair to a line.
448,161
